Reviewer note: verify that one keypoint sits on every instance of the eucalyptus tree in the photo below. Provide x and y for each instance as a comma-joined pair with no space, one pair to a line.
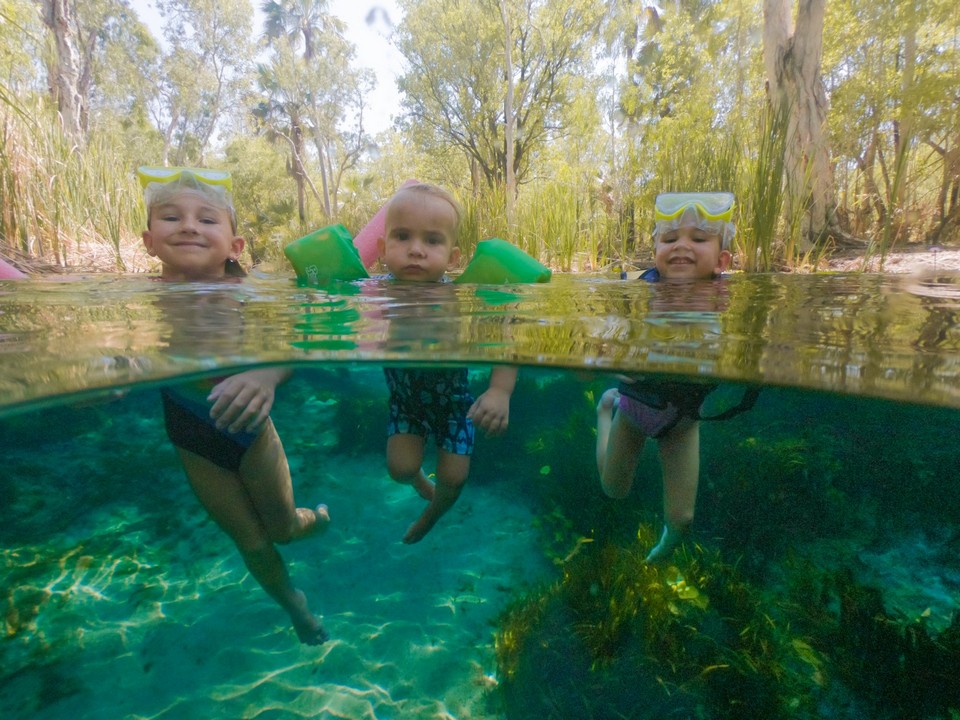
308,92
793,49
456,84
82,35
202,73
895,123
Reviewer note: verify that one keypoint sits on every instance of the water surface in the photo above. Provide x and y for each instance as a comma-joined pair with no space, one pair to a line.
821,581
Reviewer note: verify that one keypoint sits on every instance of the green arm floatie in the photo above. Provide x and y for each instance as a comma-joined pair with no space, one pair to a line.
496,261
324,256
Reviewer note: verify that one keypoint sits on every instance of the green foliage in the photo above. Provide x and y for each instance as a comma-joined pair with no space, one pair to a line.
762,204
896,665
60,202
636,99
453,91
692,635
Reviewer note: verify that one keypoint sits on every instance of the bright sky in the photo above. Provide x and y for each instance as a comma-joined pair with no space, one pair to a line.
373,49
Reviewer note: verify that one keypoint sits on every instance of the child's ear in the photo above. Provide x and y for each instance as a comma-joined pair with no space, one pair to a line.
454,258
381,246
236,247
724,261
148,243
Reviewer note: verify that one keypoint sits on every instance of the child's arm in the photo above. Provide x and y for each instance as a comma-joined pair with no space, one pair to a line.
243,402
491,411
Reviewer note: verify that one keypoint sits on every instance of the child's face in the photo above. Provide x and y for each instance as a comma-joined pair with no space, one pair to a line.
192,238
419,243
690,253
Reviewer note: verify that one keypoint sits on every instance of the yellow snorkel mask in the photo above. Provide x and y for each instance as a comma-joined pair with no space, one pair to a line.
711,212
161,183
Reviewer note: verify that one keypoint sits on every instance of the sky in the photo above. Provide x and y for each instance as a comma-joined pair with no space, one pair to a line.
373,49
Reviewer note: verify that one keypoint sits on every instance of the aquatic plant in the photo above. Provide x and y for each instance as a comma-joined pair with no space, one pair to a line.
691,634
894,665
772,493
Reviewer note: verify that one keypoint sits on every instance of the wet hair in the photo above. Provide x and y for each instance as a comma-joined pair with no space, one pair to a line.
156,193
437,192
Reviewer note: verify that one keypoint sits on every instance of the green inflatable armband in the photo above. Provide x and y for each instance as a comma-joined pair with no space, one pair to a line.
496,261
325,255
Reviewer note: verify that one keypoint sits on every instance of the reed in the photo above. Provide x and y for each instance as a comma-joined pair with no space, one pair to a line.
762,204
484,216
63,203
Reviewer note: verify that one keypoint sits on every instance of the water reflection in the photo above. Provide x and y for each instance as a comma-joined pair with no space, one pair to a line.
874,335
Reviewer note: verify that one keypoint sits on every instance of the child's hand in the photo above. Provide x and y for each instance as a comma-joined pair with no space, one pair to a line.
243,402
491,412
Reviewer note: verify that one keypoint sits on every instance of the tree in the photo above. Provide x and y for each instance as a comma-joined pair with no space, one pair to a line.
455,87
64,70
792,58
310,89
202,75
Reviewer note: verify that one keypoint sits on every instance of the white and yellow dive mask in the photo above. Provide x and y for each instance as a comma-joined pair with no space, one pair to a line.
161,183
711,212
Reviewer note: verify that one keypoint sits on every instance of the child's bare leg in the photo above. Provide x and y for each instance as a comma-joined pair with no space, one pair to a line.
680,458
227,501
268,568
452,471
405,461
619,465
608,402
265,474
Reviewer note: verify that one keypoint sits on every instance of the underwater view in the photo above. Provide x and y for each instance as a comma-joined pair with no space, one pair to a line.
819,580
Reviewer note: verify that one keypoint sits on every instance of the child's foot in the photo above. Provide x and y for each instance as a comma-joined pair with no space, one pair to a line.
312,522
669,541
322,513
417,531
308,628
424,487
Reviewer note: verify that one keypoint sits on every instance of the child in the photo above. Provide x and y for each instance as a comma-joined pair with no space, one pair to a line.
692,234
419,245
226,441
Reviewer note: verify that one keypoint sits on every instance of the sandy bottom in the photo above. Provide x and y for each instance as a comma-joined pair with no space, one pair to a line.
168,626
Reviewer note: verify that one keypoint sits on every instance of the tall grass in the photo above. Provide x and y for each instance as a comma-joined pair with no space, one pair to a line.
763,201
63,203
562,225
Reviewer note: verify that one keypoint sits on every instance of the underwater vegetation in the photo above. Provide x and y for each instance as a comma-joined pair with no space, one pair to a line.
766,612
617,637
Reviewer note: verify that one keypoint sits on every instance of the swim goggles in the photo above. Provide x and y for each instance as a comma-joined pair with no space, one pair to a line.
161,183
215,178
711,212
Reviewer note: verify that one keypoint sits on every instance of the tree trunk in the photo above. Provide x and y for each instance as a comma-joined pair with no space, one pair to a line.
508,118
792,57
299,173
64,74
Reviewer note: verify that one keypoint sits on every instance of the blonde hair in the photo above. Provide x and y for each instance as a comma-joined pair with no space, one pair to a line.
438,192
157,193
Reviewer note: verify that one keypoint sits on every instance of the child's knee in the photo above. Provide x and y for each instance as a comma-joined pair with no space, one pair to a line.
616,489
402,469
402,464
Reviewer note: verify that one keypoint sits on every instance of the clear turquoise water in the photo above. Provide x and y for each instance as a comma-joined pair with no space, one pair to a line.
823,569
